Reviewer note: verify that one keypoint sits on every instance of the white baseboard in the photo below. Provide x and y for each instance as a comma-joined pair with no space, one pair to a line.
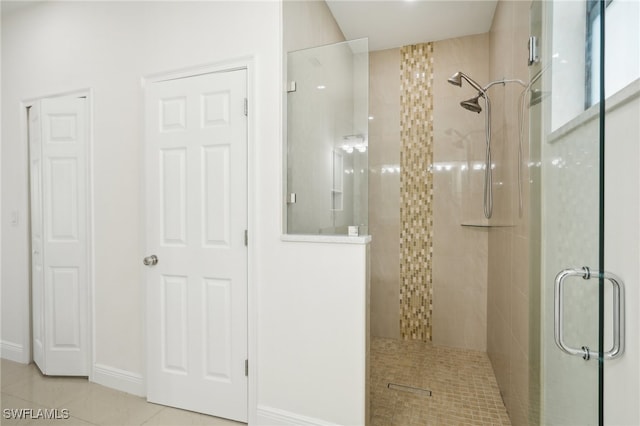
13,352
122,380
268,416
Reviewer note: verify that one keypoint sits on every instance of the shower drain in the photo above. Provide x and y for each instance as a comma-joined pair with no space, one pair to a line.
405,388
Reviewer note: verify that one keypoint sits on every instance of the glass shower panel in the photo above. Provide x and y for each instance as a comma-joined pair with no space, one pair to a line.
566,214
327,139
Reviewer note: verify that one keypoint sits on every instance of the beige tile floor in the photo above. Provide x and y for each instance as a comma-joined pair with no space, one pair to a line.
464,392
88,403
464,388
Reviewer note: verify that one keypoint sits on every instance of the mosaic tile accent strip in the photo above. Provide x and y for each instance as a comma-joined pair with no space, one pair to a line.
464,388
416,191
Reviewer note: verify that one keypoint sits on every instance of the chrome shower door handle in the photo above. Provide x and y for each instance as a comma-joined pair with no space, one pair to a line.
617,349
150,260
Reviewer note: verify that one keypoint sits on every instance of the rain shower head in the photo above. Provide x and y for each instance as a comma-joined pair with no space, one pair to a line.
472,104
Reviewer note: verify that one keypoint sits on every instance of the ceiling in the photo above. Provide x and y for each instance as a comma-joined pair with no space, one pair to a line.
395,23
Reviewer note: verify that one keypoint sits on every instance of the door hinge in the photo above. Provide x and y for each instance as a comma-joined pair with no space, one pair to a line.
291,87
246,237
246,106
246,367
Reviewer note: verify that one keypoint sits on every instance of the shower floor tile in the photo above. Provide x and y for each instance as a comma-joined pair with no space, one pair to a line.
464,389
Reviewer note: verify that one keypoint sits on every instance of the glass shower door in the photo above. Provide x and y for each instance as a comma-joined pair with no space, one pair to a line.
570,303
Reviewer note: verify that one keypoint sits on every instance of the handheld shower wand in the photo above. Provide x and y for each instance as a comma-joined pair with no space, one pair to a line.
473,105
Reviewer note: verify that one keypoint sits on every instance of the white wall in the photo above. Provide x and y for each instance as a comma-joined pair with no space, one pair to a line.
308,298
622,249
56,47
313,335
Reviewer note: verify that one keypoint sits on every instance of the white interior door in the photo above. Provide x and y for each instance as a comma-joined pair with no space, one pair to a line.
196,212
58,172
37,271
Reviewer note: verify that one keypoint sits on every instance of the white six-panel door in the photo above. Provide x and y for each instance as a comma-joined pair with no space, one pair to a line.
196,217
58,176
37,271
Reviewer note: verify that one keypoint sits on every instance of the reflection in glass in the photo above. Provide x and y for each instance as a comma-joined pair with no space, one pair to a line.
327,139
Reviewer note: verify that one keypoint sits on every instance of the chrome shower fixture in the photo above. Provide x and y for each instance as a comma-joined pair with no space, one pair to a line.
456,80
472,104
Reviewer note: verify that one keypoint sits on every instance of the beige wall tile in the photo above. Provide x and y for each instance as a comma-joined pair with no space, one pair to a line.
384,191
508,305
480,275
460,253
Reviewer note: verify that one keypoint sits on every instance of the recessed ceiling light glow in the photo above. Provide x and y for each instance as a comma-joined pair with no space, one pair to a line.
321,87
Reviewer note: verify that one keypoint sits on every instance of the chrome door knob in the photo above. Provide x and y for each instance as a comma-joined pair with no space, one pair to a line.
150,260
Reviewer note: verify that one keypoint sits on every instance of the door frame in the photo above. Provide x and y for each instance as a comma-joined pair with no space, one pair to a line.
24,131
247,63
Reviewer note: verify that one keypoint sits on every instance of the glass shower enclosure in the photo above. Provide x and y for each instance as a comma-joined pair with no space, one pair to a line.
577,308
327,140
